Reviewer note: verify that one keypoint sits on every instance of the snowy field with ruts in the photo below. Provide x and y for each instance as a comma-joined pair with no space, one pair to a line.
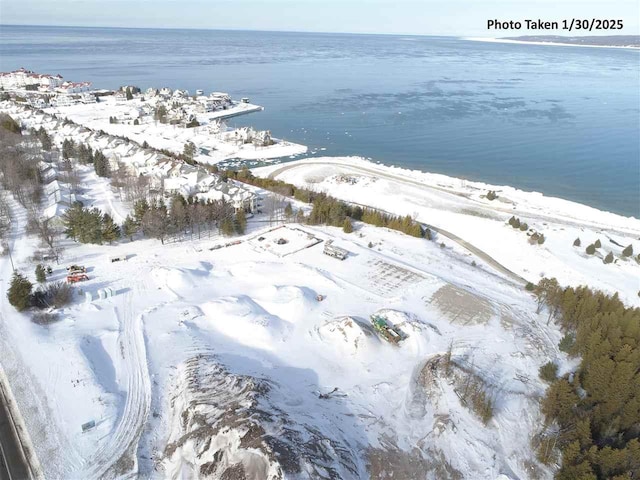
259,359
461,211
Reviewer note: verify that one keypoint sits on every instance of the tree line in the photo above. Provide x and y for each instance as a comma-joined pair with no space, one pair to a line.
329,210
592,415
154,219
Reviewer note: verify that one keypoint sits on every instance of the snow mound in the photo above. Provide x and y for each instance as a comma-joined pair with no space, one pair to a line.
175,280
414,331
289,302
230,426
349,336
245,321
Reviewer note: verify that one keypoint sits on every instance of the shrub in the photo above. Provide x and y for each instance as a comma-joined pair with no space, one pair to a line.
591,249
41,273
577,242
548,372
530,287
442,245
524,227
541,239
56,294
491,195
19,293
628,251
608,258
566,343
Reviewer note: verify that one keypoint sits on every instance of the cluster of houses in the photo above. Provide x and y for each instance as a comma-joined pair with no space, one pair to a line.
28,80
58,194
166,176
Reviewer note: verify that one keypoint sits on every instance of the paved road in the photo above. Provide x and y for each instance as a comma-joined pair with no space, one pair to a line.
13,465
463,243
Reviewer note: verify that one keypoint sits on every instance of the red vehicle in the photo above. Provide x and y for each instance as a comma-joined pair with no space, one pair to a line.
76,277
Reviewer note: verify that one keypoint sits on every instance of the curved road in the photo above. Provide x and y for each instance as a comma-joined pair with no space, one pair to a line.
463,243
454,193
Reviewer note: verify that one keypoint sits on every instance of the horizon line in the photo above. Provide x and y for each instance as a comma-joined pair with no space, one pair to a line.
231,29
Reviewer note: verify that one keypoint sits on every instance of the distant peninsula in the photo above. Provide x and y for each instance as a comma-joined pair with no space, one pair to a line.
630,41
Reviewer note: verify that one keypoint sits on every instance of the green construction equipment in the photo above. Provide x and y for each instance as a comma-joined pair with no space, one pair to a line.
388,332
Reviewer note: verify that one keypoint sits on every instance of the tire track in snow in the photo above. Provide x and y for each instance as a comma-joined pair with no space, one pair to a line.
123,441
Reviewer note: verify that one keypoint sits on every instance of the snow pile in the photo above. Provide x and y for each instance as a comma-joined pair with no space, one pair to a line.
246,433
350,336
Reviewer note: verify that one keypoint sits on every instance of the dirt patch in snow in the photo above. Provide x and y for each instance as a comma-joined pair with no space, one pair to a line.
462,307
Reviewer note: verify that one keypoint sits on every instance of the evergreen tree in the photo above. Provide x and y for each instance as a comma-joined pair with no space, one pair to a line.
576,242
226,227
101,164
347,227
628,251
45,139
591,249
548,372
140,207
128,94
189,151
68,149
608,258
110,231
19,293
288,211
129,227
597,243
41,274
241,222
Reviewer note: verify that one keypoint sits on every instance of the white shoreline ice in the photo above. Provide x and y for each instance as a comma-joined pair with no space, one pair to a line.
557,44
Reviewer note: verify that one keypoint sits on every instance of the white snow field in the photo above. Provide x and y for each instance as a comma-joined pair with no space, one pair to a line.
214,362
255,357
459,207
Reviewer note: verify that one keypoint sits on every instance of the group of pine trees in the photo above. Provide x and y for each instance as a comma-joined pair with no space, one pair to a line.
535,238
609,258
593,415
85,155
329,210
89,225
183,216
45,140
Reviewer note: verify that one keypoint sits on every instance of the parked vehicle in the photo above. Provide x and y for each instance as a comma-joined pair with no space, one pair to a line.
76,269
77,277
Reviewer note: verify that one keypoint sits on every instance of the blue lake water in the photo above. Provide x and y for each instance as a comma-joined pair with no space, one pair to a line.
561,120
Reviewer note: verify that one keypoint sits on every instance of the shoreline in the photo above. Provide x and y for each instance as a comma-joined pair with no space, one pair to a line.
458,186
554,44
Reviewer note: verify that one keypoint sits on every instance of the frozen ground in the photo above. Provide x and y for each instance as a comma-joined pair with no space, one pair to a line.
460,207
154,366
258,360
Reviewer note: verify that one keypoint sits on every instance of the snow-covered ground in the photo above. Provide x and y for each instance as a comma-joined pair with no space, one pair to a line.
171,137
259,358
254,311
460,207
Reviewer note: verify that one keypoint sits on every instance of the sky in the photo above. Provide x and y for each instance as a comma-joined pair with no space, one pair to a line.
423,17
